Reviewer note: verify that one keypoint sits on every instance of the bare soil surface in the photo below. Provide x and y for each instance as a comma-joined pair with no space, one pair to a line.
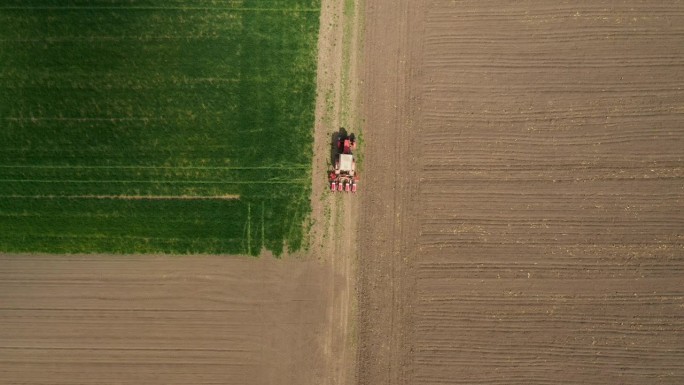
522,220
108,319
162,320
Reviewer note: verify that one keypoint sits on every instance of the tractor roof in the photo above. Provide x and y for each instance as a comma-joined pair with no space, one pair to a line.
346,162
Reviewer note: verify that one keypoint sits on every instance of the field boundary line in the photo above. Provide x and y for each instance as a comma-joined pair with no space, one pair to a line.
60,119
155,181
109,8
65,166
107,349
129,197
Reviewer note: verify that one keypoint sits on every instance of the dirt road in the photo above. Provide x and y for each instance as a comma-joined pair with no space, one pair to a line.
524,221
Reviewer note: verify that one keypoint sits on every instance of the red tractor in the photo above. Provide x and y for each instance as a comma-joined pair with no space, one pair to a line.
343,177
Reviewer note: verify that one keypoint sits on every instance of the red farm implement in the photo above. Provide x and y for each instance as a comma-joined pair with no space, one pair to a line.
343,177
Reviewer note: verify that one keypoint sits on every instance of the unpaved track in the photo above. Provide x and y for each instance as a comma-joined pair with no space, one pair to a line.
524,221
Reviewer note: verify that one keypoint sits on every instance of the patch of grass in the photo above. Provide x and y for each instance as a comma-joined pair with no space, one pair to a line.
173,97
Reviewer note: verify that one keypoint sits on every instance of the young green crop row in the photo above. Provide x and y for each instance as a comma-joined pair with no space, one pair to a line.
171,99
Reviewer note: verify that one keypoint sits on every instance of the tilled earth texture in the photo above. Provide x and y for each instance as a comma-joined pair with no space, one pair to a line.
154,319
523,218
162,320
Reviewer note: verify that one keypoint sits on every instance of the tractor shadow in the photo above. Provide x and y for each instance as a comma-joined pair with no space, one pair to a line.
341,134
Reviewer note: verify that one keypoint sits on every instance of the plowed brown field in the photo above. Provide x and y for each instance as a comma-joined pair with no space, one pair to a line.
162,320
524,220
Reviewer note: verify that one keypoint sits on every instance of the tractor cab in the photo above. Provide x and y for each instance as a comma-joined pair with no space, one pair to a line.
344,177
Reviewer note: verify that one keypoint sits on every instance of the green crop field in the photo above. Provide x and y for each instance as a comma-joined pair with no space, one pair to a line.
142,126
